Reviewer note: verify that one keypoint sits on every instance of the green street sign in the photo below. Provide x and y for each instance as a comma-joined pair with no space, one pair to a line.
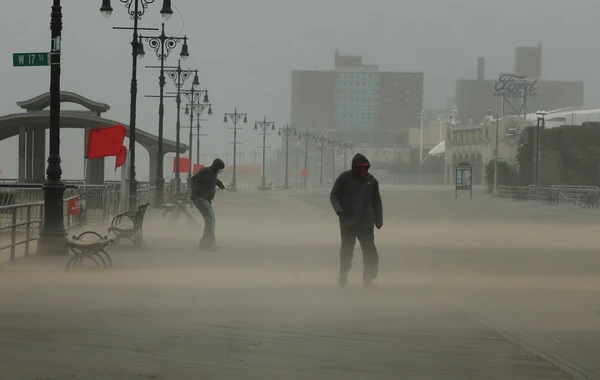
31,59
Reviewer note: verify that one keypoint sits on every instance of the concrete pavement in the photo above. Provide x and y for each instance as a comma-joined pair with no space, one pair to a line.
469,290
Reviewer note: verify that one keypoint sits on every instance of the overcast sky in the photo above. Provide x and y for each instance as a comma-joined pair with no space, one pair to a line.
245,50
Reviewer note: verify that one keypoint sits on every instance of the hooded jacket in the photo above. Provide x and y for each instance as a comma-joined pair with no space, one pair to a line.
205,181
356,199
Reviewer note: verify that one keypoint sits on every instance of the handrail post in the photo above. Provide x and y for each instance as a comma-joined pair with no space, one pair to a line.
28,231
13,234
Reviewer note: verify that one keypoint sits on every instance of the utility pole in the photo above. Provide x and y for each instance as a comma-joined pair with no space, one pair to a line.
287,131
235,117
264,127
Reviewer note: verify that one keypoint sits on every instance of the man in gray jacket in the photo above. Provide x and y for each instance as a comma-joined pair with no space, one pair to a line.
204,184
356,201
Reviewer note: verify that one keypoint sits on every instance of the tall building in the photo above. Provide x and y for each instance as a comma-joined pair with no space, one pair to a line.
474,97
357,102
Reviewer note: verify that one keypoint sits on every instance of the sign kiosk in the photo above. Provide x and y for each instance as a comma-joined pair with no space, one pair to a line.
464,172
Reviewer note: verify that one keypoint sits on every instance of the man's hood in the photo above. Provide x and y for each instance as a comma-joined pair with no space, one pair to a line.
217,165
359,159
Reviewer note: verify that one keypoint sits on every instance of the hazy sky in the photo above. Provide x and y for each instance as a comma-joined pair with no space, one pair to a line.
245,50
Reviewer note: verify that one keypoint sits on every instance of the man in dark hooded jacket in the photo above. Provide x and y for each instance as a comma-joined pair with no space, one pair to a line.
356,200
204,185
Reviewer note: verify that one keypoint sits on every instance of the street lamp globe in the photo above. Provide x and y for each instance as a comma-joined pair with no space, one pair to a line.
210,110
196,83
225,119
166,11
106,9
245,119
184,49
206,97
140,49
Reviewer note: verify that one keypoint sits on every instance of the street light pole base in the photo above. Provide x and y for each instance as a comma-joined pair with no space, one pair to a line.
52,244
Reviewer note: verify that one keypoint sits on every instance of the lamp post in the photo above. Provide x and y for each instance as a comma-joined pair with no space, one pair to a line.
162,45
136,9
200,108
53,235
241,157
226,156
496,158
334,145
323,141
197,108
179,76
255,153
440,119
297,150
235,118
264,126
287,132
306,137
193,96
541,124
346,147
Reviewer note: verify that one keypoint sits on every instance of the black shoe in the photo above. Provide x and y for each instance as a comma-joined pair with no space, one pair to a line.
343,280
368,284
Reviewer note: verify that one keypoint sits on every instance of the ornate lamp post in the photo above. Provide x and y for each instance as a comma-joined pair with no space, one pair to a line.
193,97
264,127
307,136
235,117
198,108
136,9
323,141
334,144
162,45
254,153
53,234
287,132
179,77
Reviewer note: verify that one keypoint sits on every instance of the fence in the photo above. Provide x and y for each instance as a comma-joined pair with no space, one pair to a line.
567,193
17,225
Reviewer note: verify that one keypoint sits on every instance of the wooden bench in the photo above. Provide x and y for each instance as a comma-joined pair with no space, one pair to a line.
589,200
89,245
128,225
520,196
552,198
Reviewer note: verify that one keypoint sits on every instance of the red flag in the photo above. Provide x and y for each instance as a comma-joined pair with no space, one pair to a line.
184,165
121,157
105,141
197,167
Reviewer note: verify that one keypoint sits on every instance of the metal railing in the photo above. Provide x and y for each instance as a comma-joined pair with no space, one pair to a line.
567,193
18,224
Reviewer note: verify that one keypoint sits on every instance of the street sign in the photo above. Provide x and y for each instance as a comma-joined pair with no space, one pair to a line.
31,59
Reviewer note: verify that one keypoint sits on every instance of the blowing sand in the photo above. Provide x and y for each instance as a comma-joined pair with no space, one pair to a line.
469,289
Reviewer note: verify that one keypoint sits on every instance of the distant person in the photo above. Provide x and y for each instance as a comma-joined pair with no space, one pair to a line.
204,184
356,200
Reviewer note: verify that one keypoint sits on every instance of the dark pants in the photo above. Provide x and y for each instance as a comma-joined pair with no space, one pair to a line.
205,208
366,238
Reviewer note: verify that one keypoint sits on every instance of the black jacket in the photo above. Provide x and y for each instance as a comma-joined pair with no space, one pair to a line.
356,199
205,181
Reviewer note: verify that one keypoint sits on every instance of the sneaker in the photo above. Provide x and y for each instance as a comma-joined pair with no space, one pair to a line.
213,248
343,280
368,284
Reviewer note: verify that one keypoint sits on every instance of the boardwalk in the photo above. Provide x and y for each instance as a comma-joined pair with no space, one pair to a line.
469,290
